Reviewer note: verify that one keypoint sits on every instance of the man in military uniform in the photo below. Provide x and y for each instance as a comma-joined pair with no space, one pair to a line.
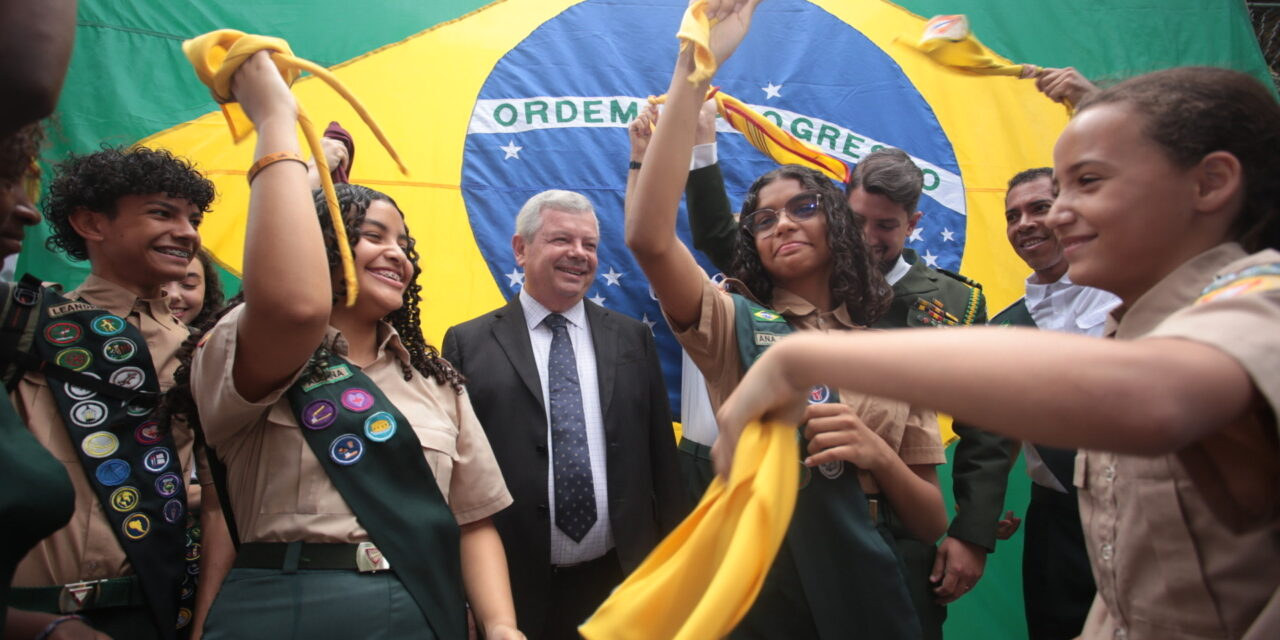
885,188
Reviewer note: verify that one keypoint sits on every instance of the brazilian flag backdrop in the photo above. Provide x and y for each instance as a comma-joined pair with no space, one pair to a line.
492,102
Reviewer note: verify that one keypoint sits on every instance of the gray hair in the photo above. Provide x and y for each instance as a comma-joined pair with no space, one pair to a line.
891,173
529,220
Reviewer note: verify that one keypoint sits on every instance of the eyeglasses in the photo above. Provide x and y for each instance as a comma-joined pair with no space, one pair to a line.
761,223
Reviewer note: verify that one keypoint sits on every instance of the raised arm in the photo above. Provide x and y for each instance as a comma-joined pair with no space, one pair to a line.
651,209
287,289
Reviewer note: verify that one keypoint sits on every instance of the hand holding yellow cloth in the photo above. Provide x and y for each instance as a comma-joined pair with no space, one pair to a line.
948,41
703,578
217,55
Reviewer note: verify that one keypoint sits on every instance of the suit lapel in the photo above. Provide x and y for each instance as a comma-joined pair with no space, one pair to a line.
918,280
604,336
512,334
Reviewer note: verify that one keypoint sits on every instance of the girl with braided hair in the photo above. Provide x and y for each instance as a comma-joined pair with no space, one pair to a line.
360,484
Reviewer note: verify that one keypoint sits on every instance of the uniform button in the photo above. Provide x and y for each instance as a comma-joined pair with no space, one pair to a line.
1107,551
92,564
1120,633
1109,473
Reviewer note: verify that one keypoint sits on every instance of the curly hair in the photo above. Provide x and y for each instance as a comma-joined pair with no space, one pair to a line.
355,201
18,151
96,181
855,282
214,297
1193,111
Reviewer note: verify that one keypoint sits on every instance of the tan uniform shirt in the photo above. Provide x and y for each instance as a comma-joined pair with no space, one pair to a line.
278,489
1188,545
712,343
87,548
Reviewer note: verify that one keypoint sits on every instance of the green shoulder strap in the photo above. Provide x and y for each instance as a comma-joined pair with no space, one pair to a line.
1016,315
374,459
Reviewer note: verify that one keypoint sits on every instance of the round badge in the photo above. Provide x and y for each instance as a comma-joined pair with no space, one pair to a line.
136,526
119,349
184,617
128,377
107,325
188,591
147,433
62,333
357,400
100,444
112,472
819,394
136,410
168,485
125,499
380,427
80,393
88,413
173,511
346,449
193,568
832,470
73,358
318,415
193,552
806,474
156,459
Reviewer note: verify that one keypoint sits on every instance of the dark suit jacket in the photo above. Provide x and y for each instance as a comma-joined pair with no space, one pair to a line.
980,471
646,496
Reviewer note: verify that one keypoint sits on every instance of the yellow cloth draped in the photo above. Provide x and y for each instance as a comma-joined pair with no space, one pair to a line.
773,141
218,54
695,31
700,581
948,41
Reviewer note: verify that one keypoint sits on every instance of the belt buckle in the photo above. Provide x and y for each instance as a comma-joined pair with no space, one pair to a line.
369,558
873,506
78,595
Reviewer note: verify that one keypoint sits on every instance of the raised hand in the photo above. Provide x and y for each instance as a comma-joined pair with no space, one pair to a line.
261,91
1065,85
640,131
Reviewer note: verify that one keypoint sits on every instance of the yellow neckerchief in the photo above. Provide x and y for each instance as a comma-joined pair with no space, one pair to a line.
217,55
700,581
695,31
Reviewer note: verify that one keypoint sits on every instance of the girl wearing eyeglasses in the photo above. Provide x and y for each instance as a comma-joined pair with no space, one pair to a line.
801,264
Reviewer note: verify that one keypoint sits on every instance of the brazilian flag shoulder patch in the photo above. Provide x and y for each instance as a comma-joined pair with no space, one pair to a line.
764,315
1255,279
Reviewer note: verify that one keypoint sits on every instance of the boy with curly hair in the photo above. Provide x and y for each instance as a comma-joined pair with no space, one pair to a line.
105,351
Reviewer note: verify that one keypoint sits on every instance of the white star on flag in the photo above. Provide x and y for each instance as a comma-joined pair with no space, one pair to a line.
612,277
598,299
772,91
647,322
916,234
512,150
515,278
930,259
948,235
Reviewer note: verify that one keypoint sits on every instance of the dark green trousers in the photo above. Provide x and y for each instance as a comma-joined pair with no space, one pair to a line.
314,605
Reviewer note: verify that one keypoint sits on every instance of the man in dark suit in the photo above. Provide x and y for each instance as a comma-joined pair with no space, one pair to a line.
572,399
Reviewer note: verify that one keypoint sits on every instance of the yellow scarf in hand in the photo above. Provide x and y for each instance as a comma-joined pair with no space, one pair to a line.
218,54
948,41
695,31
700,581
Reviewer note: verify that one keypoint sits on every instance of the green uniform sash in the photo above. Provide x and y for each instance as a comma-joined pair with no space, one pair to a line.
848,575
104,384
1016,315
374,459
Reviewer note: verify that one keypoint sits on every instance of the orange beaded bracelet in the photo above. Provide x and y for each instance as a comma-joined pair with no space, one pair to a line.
272,158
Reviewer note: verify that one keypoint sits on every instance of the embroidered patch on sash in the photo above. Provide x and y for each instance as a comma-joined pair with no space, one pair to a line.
819,394
832,470
764,315
112,472
157,459
168,485
88,413
63,333
357,400
193,552
125,499
172,511
107,325
147,433
347,449
184,617
380,427
68,308
136,526
119,349
79,393
128,377
806,474
136,410
767,338
318,414
73,358
330,375
100,444
1263,277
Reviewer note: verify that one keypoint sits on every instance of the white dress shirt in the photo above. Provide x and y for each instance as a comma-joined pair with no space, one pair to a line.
598,541
898,272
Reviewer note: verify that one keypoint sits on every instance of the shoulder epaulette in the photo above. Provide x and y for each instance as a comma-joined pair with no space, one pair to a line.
955,276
